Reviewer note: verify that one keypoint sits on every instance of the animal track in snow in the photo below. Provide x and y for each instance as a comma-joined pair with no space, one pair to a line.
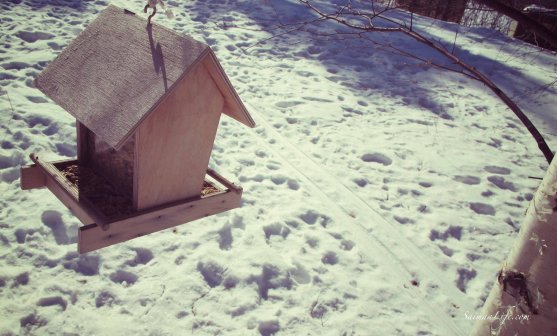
446,250
377,158
278,180
288,104
317,99
330,258
142,257
452,231
501,183
105,298
464,276
54,46
32,37
487,193
225,237
497,170
347,245
86,264
311,217
482,208
271,277
53,220
6,76
123,277
269,328
470,180
66,149
53,301
403,220
312,241
276,229
15,65
212,272
36,99
293,184
300,274
21,279
32,321
360,182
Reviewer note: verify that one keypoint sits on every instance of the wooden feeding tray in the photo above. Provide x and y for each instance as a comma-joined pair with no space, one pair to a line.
109,217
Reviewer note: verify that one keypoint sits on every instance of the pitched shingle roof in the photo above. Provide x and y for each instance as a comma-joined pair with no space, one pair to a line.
118,69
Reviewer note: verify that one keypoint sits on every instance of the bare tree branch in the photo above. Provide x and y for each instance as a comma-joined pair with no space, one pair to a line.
468,70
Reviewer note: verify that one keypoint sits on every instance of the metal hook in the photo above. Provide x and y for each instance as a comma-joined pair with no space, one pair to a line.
150,16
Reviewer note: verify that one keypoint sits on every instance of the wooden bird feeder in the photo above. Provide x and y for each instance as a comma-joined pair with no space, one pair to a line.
147,102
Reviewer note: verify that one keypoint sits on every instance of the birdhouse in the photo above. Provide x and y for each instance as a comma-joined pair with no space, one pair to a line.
147,103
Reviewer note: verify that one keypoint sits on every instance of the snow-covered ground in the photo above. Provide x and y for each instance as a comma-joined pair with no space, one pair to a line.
380,195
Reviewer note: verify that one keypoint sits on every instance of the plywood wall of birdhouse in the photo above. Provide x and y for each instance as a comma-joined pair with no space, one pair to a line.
174,143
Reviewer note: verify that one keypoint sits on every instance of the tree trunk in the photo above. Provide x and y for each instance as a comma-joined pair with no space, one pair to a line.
438,9
523,300
526,21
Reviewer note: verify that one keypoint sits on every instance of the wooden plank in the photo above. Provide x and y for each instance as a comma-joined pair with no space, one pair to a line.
174,143
31,177
233,107
224,181
67,193
116,71
93,237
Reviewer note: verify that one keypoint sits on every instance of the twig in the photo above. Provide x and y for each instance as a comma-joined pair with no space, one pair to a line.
195,301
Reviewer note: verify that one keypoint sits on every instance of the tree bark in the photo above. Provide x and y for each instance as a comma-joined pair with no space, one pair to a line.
523,300
524,19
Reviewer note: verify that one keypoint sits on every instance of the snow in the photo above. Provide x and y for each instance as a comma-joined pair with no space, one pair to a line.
381,195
